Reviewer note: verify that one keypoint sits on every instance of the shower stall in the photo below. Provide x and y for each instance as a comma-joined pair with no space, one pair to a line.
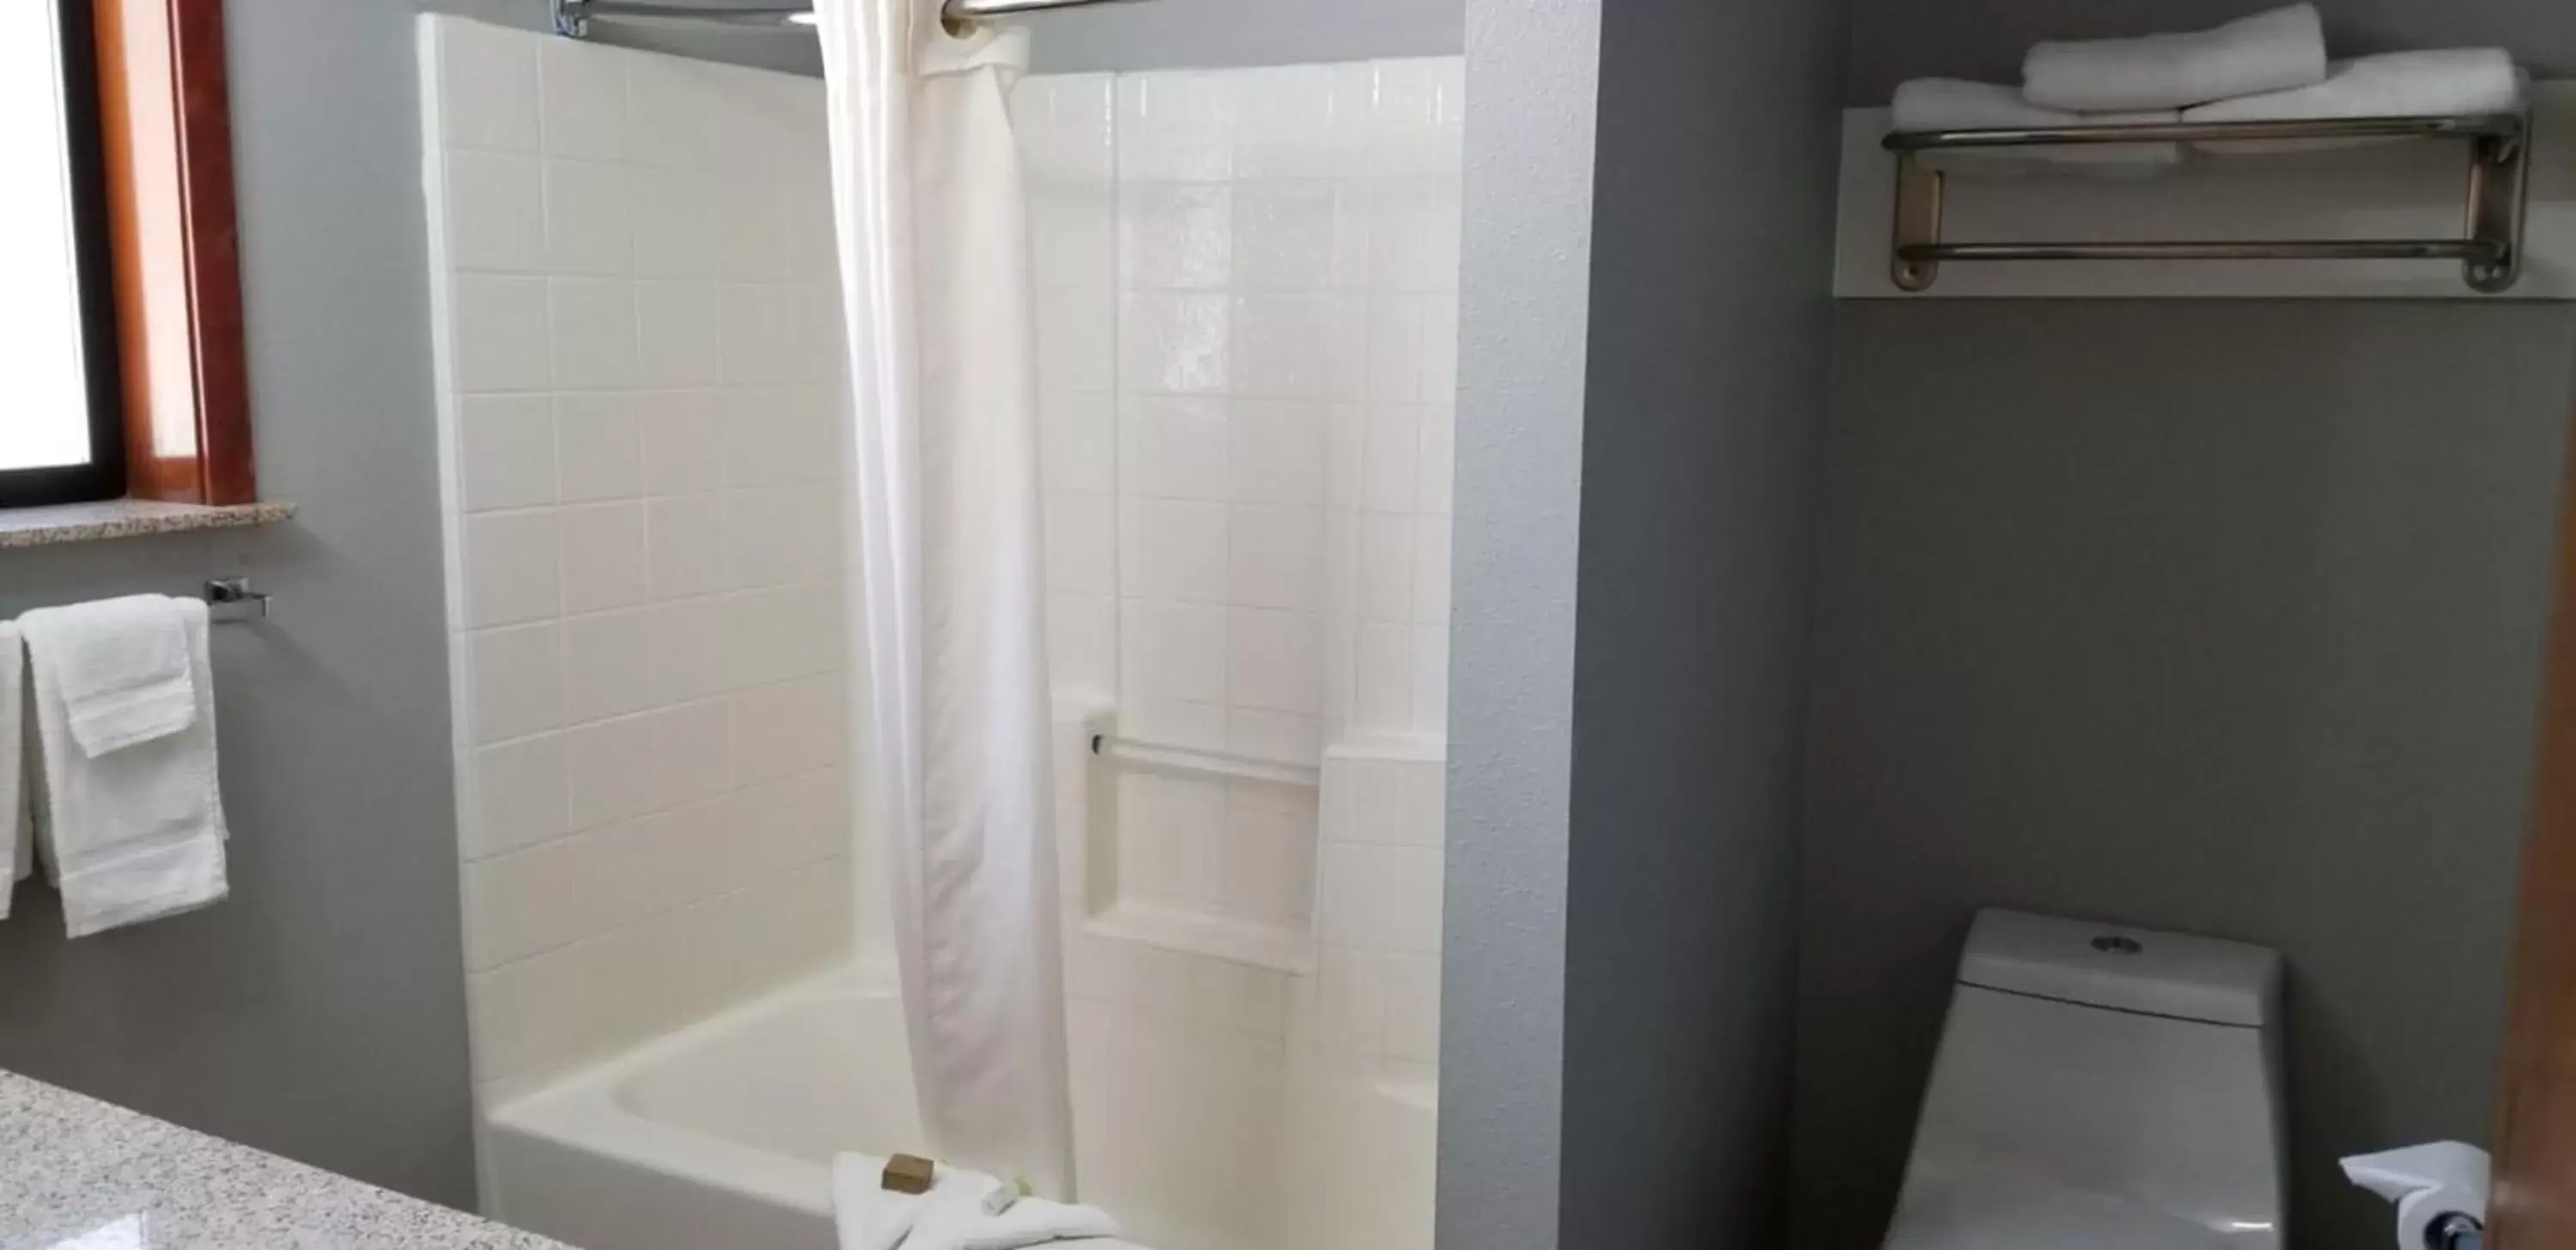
680,955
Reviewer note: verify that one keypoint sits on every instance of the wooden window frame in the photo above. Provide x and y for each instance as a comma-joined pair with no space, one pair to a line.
165,129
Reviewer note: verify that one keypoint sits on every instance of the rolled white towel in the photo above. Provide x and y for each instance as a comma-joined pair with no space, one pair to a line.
1952,104
2455,82
2274,51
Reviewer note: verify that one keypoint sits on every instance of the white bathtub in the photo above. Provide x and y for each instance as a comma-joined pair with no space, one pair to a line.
720,1136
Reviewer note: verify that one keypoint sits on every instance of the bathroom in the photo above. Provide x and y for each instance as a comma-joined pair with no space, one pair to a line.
1549,648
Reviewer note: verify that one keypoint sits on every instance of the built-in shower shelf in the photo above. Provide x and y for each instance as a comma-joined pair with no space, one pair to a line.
1199,933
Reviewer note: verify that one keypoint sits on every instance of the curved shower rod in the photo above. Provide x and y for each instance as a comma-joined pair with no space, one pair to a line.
573,17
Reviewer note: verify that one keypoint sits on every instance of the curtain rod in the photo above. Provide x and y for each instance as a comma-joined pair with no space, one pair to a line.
573,17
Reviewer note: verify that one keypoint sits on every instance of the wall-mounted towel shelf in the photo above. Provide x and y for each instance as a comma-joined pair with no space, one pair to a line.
2490,252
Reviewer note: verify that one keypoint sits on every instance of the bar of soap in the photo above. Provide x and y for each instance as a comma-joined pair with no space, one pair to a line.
908,1174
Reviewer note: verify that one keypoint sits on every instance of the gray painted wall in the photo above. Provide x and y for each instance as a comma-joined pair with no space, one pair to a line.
1710,343
2221,617
319,1011
1170,34
1532,72
1894,40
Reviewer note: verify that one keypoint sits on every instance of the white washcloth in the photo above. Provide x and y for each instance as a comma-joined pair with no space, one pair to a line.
2456,82
120,666
15,846
137,833
959,1213
2273,51
1952,104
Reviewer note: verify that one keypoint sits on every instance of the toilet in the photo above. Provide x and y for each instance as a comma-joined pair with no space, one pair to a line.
2102,1088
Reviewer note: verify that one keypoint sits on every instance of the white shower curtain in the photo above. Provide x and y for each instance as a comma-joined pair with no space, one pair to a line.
949,585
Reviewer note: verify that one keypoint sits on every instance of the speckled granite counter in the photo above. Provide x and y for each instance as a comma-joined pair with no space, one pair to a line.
79,1174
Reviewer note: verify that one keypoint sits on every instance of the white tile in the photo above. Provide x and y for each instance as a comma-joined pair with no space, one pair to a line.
526,1017
500,331
506,452
1082,651
495,212
517,796
684,537
1288,236
1440,349
787,728
764,326
619,884
1284,122
592,321
1074,233
1079,433
1419,106
1414,232
1388,802
674,220
1394,458
1067,118
513,682
1171,549
1173,721
599,447
1386,567
1176,126
584,90
693,852
670,113
1174,651
1291,737
1412,884
1276,558
1082,543
604,560
1395,351
1174,344
1353,902
684,441
1382,683
1276,452
798,821
1439,459
588,230
788,632
1173,448
1431,678
1077,340
1293,346
1175,237
1169,832
1352,136
1351,1001
1346,455
1238,996
694,642
522,904
1413,1009
487,88
609,771
1268,865
1431,571
781,534
774,436
510,568
679,334
1274,660
692,753
609,662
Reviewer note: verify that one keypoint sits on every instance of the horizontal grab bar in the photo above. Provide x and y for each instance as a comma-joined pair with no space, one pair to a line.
2471,251
1192,760
2481,126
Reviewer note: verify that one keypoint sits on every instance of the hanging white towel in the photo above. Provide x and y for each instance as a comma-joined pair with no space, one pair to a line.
16,846
1952,104
2273,51
121,667
964,1210
136,833
2453,82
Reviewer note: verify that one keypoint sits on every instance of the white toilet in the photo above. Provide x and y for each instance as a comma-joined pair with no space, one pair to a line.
2101,1088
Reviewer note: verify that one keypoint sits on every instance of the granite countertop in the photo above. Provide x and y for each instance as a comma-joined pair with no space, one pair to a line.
80,1174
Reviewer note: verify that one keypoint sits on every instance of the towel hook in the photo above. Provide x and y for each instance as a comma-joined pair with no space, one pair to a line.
234,599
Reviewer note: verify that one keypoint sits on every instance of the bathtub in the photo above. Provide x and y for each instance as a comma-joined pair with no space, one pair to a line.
722,1134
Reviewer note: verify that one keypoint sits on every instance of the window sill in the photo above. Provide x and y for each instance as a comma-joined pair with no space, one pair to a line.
127,518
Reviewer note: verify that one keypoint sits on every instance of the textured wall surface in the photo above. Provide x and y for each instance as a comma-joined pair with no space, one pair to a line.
1205,34
316,1012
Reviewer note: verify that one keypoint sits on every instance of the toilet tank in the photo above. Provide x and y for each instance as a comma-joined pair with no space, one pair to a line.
2101,1086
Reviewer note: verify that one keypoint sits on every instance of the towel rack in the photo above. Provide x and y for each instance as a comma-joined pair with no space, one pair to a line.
234,599
2489,251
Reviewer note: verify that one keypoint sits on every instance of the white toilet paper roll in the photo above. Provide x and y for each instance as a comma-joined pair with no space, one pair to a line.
2428,1183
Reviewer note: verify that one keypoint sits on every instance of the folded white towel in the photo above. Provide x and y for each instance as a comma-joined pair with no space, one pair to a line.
2273,51
2454,82
1951,104
137,833
120,667
14,842
964,1210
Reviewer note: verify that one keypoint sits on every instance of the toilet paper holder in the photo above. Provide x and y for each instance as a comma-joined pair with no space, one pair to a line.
2456,1232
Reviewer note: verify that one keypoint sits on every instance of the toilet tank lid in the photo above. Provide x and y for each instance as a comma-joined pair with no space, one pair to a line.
2098,965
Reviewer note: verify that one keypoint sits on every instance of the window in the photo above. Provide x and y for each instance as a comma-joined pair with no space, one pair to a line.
62,438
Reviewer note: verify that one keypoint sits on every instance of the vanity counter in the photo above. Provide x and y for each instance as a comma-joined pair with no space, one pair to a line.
80,1174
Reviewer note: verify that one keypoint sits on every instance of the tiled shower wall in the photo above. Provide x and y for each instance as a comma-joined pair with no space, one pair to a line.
638,369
